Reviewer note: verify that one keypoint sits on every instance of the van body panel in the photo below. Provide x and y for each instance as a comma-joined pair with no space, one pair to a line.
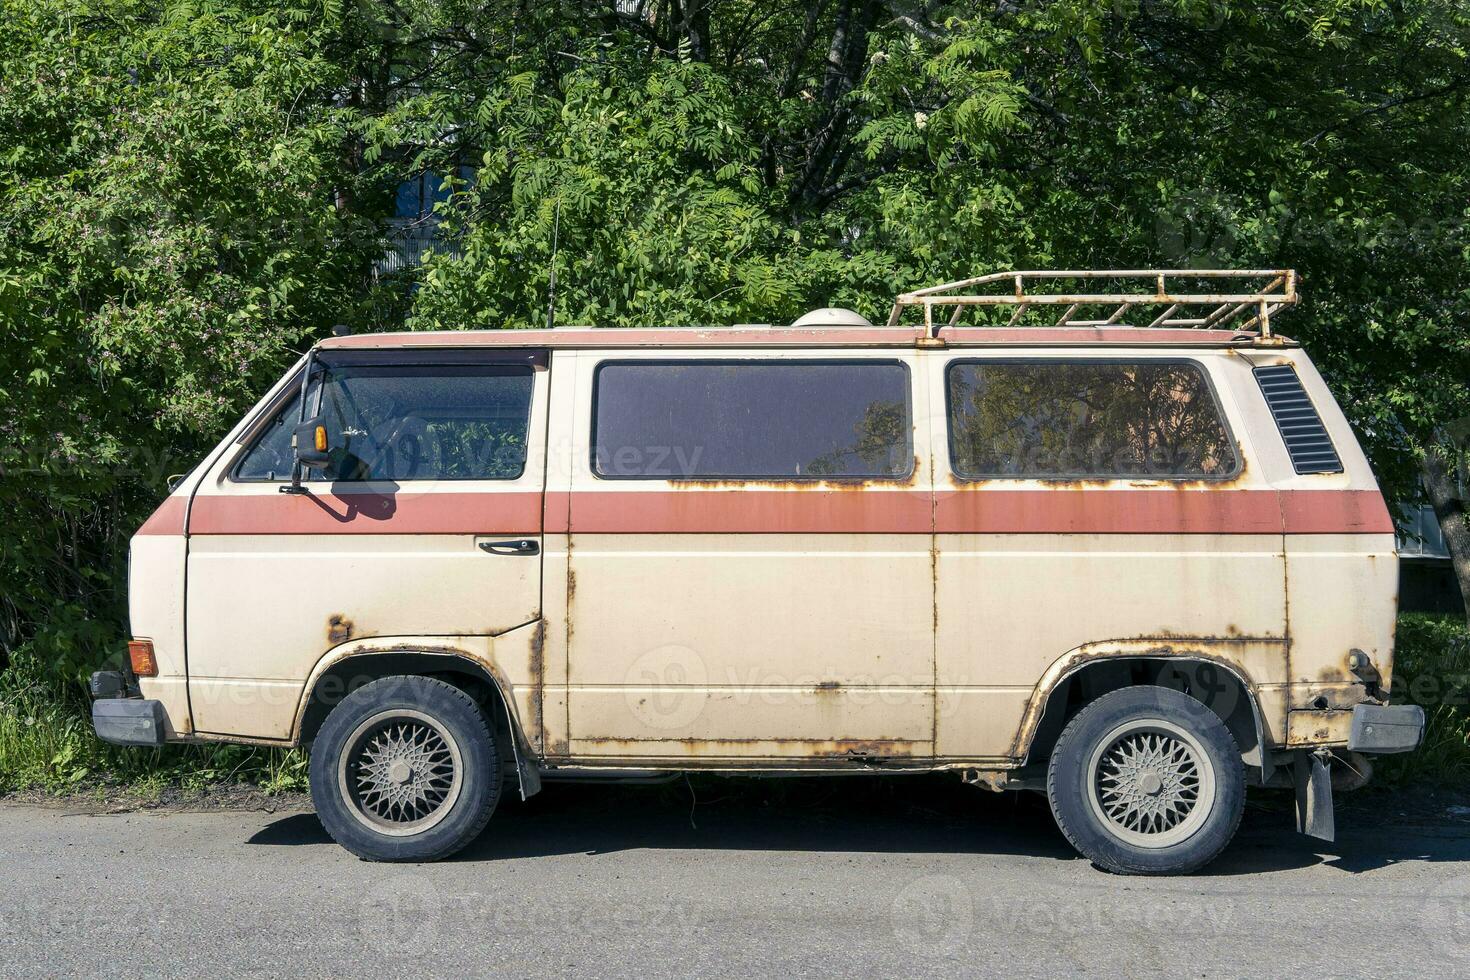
1032,572
156,560
1342,563
747,619
512,660
1105,594
275,579
769,638
1344,597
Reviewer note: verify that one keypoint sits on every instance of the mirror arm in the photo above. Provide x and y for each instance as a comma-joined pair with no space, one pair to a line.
295,485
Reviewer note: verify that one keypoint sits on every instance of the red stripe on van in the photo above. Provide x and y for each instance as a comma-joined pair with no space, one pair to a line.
168,518
796,511
507,512
1081,511
1055,511
805,511
1335,512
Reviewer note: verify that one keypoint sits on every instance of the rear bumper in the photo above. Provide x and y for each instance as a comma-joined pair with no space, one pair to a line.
1385,728
129,721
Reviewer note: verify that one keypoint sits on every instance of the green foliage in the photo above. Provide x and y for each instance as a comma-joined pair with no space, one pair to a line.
1432,668
167,235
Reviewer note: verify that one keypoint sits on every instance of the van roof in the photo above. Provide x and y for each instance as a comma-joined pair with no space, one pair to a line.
797,337
1195,308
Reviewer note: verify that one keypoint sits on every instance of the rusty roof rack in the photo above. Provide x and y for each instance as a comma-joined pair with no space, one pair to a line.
1256,293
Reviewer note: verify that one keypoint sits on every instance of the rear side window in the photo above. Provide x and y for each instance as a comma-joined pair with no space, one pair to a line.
1086,419
407,422
793,420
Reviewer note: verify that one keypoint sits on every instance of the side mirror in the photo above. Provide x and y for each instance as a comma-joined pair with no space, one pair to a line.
311,443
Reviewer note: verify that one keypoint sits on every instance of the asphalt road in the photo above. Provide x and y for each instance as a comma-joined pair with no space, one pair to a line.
814,877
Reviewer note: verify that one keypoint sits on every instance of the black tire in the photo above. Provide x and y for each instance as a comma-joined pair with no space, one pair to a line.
1115,804
405,769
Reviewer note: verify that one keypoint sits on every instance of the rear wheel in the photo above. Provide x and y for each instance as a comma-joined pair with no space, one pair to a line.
1147,780
405,769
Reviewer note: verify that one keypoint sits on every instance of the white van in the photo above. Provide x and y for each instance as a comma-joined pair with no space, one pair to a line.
1135,567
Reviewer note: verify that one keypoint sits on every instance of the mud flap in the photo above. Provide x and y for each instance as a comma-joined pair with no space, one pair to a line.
530,776
1314,797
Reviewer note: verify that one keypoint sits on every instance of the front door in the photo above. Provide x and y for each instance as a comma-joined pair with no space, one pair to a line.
427,522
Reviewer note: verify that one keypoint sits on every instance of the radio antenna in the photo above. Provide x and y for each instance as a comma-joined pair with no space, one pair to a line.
551,290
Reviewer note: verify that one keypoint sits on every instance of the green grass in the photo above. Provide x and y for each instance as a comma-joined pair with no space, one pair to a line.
47,743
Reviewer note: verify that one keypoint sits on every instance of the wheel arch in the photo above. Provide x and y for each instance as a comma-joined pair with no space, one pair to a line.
351,665
1197,668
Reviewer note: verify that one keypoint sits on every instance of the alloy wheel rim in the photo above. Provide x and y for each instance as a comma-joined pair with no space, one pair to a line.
401,773
1151,783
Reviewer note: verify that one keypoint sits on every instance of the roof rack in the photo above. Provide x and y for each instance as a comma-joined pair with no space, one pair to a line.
1252,293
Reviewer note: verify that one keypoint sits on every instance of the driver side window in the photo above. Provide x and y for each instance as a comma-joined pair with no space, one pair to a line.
406,422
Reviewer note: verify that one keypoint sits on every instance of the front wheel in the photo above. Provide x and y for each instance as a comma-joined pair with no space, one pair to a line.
405,769
1147,780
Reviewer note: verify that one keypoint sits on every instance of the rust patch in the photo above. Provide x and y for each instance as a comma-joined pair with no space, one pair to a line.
844,750
339,628
1168,640
537,735
1314,727
411,648
1234,481
1162,646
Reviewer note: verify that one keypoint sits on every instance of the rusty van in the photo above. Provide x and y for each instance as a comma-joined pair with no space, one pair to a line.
1103,535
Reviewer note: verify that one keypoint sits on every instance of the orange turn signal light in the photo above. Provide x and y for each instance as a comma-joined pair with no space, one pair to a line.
320,438
140,655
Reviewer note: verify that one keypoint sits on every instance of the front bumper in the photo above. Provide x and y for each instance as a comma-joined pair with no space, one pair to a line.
129,721
1385,728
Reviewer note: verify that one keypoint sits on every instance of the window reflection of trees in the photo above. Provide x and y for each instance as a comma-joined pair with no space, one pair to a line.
1086,419
880,437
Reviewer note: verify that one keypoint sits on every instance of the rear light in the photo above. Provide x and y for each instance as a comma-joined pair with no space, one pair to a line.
140,655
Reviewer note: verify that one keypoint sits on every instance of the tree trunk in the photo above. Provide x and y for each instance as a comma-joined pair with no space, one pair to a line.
1447,495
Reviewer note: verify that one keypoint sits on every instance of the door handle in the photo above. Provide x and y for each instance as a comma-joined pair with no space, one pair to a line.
519,546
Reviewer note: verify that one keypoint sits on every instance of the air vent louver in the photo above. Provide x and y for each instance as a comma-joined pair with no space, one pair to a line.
1306,438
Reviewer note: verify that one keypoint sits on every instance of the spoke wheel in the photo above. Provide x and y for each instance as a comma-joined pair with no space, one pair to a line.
401,772
1150,783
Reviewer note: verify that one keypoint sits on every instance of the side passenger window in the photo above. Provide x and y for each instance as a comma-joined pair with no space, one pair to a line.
733,420
407,422
1085,419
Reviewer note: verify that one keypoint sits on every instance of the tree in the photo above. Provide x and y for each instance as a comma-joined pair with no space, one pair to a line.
168,235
